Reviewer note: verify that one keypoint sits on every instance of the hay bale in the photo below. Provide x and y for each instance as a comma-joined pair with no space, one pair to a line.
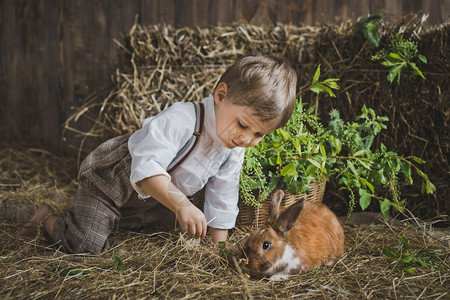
418,110
161,65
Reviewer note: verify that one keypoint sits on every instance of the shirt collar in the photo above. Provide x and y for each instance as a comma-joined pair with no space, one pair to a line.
210,119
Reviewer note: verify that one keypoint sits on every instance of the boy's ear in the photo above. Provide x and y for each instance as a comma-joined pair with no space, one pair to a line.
220,92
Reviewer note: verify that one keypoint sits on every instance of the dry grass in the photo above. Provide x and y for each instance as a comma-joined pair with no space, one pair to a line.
167,265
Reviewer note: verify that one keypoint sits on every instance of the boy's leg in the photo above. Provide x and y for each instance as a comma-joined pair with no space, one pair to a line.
145,214
88,223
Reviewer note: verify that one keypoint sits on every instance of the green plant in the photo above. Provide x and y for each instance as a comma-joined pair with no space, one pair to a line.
305,150
367,28
408,260
400,55
118,263
69,272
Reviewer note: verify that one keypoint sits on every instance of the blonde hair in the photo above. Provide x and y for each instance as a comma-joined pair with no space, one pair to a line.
265,83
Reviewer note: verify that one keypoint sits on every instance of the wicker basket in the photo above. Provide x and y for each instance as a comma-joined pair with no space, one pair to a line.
257,216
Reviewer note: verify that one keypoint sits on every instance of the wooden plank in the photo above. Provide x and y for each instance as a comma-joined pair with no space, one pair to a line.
55,53
157,12
11,65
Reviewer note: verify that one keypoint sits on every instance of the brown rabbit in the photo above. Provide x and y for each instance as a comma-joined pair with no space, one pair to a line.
303,237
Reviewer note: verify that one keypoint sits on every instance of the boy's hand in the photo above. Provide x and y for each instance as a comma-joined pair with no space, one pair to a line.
192,220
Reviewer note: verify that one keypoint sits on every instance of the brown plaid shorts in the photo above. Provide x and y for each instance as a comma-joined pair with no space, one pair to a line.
105,201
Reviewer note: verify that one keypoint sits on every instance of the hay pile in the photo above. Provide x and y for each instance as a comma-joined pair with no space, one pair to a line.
30,176
167,265
160,65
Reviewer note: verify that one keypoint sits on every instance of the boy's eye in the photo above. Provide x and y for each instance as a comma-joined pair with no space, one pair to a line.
242,125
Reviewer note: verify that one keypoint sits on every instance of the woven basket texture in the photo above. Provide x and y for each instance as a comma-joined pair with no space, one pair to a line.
257,216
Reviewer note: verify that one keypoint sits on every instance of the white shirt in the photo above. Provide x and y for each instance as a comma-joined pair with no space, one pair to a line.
155,145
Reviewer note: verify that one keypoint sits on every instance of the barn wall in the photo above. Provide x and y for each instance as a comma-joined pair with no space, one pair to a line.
56,53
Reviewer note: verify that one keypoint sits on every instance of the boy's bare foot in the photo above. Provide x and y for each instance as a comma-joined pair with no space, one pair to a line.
33,226
40,215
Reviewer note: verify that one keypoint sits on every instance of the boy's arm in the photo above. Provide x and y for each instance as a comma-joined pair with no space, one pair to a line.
222,193
218,235
191,219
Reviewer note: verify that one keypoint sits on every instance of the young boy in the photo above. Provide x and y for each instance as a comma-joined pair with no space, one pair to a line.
125,180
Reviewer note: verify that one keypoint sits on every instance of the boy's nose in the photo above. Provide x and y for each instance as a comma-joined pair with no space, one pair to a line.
245,140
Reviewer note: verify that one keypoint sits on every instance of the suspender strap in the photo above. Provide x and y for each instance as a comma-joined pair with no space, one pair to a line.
190,145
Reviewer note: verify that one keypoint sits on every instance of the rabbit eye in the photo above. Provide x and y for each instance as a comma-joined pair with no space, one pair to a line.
266,245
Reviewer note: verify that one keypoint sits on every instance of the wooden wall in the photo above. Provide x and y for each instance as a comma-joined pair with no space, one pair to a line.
54,53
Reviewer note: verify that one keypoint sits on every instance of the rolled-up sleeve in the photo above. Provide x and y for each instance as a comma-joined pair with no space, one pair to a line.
222,193
155,145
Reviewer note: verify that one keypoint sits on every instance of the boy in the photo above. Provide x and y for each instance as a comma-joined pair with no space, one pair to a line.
125,180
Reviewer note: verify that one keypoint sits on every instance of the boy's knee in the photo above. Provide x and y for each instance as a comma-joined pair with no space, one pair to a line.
94,247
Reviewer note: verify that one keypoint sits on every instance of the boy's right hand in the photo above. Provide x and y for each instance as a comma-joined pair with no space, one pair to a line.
192,220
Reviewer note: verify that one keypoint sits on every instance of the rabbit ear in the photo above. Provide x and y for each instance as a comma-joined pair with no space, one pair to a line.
288,217
274,207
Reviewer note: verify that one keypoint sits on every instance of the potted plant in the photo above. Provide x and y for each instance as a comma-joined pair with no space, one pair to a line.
306,151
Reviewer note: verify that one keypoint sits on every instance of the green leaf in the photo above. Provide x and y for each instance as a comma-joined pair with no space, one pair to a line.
288,169
223,248
416,70
360,152
410,270
430,188
384,207
337,144
284,134
329,91
395,72
279,161
422,58
118,262
395,56
352,167
221,245
364,199
417,159
311,170
426,183
391,253
273,161
323,151
318,88
331,83
69,272
404,242
315,163
406,171
368,184
316,75
388,63
366,164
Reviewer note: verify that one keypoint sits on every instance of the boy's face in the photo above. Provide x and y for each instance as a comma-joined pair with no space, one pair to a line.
237,125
